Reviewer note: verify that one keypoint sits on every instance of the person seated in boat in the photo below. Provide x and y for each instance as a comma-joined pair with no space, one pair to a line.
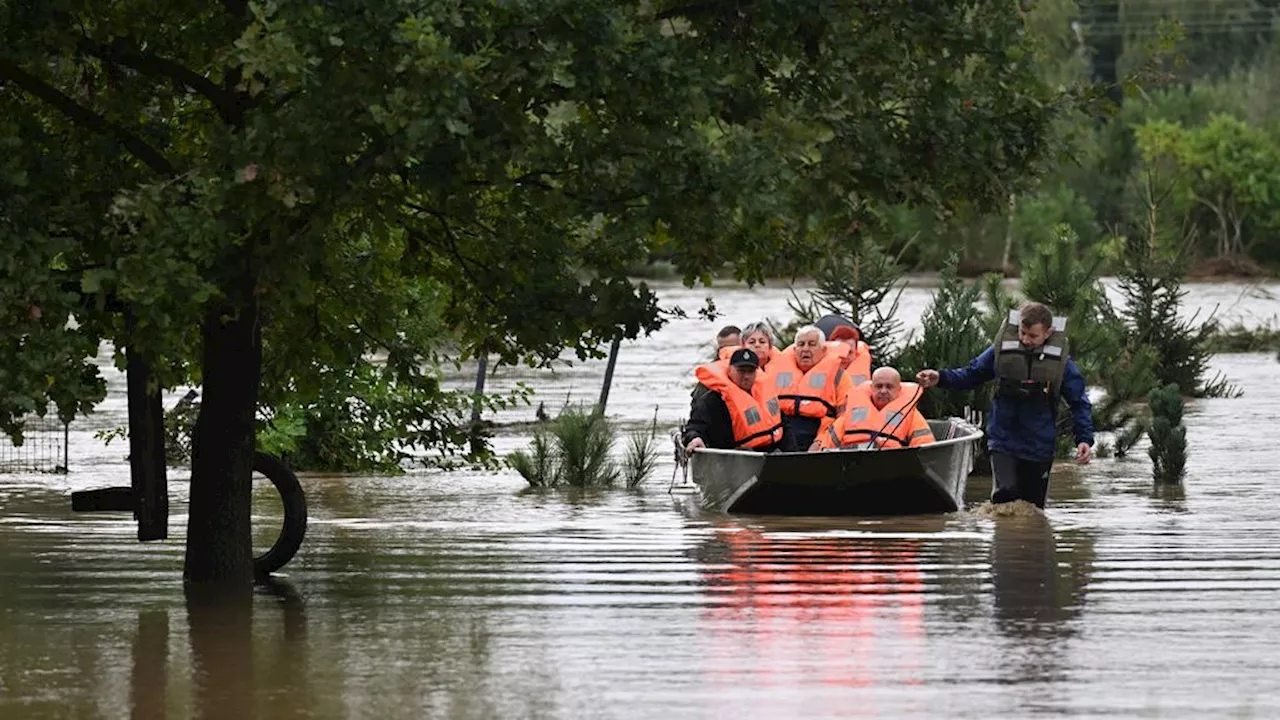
857,360
738,412
881,411
810,384
727,340
759,338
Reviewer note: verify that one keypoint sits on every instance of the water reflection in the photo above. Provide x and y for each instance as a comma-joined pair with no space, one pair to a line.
1039,576
150,680
835,610
222,668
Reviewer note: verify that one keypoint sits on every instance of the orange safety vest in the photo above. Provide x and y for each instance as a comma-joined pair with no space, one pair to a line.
818,393
906,428
858,426
756,420
856,364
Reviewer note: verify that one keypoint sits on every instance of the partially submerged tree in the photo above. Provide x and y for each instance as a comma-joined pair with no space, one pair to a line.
952,333
863,284
254,194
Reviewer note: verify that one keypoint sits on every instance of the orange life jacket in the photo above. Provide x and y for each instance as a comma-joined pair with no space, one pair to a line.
857,426
905,426
857,364
818,393
756,420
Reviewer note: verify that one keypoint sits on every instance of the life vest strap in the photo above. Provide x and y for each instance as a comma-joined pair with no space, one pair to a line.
832,410
769,432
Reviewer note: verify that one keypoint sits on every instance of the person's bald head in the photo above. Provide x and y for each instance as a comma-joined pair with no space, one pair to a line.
886,383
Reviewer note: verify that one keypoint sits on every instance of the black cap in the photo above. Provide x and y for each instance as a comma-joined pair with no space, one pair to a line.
829,324
744,357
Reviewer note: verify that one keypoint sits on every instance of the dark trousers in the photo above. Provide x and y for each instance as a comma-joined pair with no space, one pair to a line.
802,430
1019,479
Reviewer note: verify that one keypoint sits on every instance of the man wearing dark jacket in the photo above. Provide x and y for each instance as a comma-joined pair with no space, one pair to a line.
1030,361
710,423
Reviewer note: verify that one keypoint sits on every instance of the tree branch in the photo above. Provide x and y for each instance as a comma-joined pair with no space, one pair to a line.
85,117
225,101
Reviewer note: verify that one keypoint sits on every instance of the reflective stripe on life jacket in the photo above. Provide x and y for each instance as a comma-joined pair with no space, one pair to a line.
816,393
756,420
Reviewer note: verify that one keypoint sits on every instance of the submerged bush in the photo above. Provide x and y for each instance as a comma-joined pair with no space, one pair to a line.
575,450
582,443
642,455
1168,449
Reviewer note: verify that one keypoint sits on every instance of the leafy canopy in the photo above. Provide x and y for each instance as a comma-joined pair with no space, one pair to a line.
409,180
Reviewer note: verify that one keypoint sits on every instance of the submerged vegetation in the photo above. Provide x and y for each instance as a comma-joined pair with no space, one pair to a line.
1168,449
576,449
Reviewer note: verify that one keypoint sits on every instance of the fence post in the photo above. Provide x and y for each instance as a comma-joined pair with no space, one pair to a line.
608,375
477,443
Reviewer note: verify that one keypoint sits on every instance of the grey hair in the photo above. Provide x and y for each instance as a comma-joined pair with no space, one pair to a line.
757,327
807,329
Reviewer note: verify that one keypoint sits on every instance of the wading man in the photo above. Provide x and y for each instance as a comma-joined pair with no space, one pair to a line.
1034,372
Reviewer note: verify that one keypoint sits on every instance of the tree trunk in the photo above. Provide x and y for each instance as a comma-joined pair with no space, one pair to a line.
219,548
146,447
1005,267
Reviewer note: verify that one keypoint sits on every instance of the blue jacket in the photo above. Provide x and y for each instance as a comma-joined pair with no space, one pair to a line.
1025,428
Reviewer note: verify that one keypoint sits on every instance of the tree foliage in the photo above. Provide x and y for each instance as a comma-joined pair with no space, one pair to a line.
864,285
952,333
253,194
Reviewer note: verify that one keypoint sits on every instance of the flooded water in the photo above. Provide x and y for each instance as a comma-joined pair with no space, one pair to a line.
466,595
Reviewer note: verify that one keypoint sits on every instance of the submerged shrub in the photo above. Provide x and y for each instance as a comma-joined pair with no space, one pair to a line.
538,464
1168,449
576,450
583,441
642,455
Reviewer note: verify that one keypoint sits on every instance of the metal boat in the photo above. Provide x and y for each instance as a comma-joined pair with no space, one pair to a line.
887,481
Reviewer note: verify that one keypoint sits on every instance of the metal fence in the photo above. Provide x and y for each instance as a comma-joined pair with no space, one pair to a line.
44,447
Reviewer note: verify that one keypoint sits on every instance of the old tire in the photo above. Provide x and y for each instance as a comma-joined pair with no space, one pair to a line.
295,514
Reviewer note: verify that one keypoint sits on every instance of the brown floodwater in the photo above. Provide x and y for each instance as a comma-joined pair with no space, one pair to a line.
467,595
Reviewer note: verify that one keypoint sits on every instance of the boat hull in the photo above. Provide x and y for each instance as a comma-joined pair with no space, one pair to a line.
897,481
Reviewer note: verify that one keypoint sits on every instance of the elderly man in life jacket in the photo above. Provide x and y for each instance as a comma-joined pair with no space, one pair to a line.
1034,372
737,412
882,412
857,358
810,384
